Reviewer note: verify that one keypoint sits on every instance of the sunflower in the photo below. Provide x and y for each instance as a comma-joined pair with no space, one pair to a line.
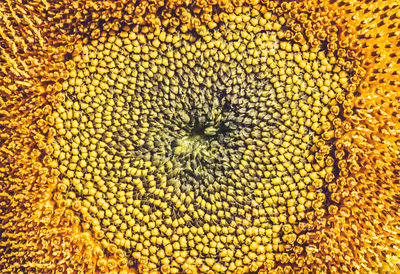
207,136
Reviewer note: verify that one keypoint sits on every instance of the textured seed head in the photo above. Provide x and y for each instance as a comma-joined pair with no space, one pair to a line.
175,125
199,136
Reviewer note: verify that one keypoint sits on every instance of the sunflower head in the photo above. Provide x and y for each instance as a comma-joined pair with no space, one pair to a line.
206,136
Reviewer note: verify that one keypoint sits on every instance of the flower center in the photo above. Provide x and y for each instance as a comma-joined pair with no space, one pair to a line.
219,139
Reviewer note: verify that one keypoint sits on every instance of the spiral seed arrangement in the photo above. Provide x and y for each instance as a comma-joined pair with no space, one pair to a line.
201,151
212,143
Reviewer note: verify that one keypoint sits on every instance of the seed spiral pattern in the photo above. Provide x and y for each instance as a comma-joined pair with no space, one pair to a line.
200,151
207,136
